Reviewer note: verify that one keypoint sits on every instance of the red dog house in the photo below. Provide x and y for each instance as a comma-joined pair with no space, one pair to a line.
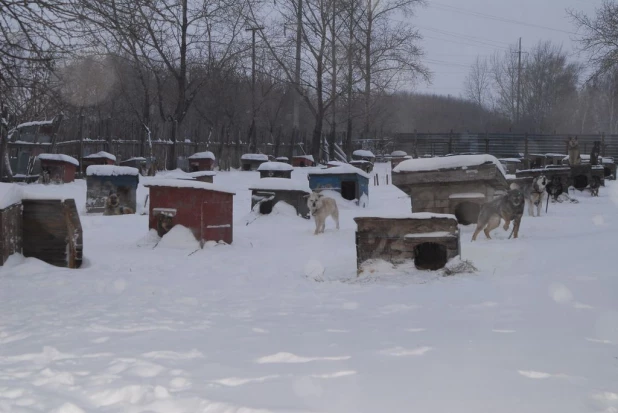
99,158
201,161
303,160
204,208
58,168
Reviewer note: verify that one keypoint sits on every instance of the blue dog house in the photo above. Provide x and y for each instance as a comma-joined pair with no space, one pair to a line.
101,180
352,183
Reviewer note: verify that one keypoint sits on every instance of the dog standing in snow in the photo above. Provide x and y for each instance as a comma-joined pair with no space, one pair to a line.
322,207
534,194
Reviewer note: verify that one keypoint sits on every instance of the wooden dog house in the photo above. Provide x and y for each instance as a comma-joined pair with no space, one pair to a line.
99,158
251,161
302,161
60,168
397,157
431,240
275,170
206,209
201,161
609,168
456,185
268,191
101,180
350,182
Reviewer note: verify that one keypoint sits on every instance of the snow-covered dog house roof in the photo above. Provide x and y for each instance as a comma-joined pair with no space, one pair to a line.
398,154
202,155
251,161
201,161
275,170
206,209
101,155
111,170
351,182
427,238
57,157
432,182
268,191
363,154
303,160
58,167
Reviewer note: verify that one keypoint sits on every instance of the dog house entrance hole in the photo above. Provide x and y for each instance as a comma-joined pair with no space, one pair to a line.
348,190
194,168
580,182
430,256
302,164
467,212
246,166
266,207
607,172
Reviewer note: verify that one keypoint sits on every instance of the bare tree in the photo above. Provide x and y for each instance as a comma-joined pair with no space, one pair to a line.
477,87
505,76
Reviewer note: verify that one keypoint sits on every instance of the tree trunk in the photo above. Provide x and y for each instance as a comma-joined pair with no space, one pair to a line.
333,126
368,69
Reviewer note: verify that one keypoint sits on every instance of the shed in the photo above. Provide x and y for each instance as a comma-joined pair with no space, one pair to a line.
456,185
302,161
10,221
275,170
349,181
101,180
204,208
511,165
428,239
251,161
58,168
397,157
99,158
609,168
201,161
363,155
268,191
283,159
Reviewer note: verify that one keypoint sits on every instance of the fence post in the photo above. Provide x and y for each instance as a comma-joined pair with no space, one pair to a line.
486,142
450,142
602,143
415,152
526,145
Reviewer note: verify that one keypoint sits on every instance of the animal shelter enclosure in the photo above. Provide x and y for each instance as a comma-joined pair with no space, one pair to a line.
269,191
102,180
456,185
206,209
350,182
428,239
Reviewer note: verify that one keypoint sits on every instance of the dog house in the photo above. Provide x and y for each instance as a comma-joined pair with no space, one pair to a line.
456,185
397,157
206,209
283,159
99,158
350,182
252,161
58,168
554,159
268,191
302,161
609,168
201,161
562,173
10,221
363,165
511,165
431,240
101,180
363,155
275,170
145,166
203,176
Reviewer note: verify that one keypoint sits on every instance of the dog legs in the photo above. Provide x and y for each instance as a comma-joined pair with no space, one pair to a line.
336,217
507,224
530,208
516,227
494,222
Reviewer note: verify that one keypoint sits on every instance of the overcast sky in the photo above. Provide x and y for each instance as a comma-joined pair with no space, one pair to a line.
456,31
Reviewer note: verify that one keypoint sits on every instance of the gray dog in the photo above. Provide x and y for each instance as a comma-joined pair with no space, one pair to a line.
534,193
509,207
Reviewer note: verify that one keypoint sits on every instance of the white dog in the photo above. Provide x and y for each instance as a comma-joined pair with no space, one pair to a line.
534,193
321,207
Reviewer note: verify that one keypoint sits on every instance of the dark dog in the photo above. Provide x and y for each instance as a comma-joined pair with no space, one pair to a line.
509,207
596,152
555,188
164,224
113,207
594,186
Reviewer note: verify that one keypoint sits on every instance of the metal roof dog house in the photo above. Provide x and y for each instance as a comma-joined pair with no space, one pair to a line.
251,161
201,161
431,240
206,209
267,192
275,170
350,182
456,185
58,168
99,158
301,161
101,180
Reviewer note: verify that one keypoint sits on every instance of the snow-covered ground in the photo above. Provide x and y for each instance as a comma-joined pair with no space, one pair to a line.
279,321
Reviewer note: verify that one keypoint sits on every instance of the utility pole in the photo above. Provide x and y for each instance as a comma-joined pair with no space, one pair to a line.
518,81
253,137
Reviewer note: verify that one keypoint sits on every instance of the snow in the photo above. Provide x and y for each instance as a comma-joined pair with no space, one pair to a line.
339,170
467,195
279,321
59,158
10,194
363,153
111,170
199,174
135,159
336,163
203,155
34,123
275,166
281,184
254,157
555,155
177,183
308,157
283,159
101,154
407,215
398,154
435,234
179,237
510,160
448,162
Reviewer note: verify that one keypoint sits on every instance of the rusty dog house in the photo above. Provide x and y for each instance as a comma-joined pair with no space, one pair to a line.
456,185
431,240
267,192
